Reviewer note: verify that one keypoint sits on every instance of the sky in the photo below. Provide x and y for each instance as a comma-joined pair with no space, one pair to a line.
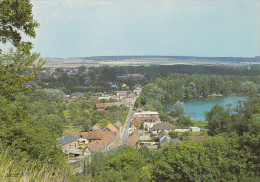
212,28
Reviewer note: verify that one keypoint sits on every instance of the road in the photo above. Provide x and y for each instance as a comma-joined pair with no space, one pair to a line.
125,133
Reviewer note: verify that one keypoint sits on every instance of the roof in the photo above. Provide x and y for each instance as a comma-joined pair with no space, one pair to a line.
120,92
162,135
111,127
107,138
104,105
118,125
165,141
146,113
197,138
95,135
136,121
154,118
67,139
133,139
163,126
81,135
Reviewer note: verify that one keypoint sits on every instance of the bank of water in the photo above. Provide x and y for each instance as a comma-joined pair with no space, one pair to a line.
196,108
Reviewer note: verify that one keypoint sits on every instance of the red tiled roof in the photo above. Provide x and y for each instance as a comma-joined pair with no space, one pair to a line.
111,127
108,138
118,125
104,105
136,121
133,140
95,135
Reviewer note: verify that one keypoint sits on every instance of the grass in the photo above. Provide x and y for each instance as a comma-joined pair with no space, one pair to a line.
27,170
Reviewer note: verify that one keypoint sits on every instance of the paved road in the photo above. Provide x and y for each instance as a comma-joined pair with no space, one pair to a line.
125,133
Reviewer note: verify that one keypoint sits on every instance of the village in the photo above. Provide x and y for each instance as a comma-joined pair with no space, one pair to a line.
141,128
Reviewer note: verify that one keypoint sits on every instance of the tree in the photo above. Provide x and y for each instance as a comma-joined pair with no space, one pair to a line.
16,18
81,69
218,120
178,109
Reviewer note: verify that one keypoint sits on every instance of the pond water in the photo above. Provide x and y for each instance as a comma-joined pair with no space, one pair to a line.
196,108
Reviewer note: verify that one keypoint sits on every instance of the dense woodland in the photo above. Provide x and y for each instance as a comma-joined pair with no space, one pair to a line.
100,76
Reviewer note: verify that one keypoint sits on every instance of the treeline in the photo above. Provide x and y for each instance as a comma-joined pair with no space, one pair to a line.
230,153
100,76
180,86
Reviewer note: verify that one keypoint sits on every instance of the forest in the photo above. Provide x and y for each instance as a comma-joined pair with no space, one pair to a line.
100,76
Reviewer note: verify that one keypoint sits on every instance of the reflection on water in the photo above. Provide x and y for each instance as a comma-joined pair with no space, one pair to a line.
196,108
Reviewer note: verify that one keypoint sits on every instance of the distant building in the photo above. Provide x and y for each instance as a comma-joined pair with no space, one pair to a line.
194,129
134,75
69,141
165,139
133,140
103,106
146,113
162,127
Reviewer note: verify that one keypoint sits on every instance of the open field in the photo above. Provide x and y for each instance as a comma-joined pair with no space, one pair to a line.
146,61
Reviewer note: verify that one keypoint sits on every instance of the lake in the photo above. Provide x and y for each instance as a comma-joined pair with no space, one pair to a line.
196,108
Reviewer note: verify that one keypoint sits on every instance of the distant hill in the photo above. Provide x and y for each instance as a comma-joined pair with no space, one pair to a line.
175,58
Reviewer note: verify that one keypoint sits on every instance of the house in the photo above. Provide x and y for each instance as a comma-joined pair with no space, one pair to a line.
82,137
134,75
69,141
194,129
165,139
163,134
107,142
136,122
148,121
124,86
162,127
182,130
105,97
146,113
118,125
103,106
133,140
149,125
111,128
121,94
165,142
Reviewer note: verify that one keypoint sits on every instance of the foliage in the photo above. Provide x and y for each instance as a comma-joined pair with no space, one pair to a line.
49,94
16,18
178,109
218,120
17,71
